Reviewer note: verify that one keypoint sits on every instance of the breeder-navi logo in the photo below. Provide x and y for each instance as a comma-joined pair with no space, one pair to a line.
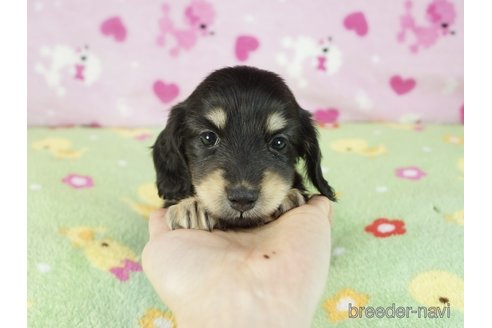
433,312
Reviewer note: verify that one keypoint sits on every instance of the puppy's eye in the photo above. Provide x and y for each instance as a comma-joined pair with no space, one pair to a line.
278,143
209,138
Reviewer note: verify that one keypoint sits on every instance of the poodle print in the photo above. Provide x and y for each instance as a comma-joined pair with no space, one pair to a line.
199,15
104,254
440,16
64,61
309,53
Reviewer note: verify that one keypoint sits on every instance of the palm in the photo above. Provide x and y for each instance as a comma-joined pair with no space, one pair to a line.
285,259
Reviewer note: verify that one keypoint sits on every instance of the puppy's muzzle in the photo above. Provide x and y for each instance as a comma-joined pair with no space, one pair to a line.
242,198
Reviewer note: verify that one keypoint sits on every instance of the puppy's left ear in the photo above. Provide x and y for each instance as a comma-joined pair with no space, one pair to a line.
311,154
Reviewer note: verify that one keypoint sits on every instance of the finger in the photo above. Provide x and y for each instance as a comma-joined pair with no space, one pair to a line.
157,224
323,204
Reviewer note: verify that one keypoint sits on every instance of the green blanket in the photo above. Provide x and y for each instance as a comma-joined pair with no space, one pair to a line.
397,239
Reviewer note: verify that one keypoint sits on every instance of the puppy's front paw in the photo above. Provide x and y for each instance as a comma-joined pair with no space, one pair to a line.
293,199
189,214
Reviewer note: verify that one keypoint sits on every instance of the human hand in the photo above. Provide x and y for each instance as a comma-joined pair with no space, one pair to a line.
271,276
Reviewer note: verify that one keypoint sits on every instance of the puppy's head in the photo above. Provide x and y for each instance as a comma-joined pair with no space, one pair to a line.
234,144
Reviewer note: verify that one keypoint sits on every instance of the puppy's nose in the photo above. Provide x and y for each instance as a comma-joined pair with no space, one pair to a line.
241,198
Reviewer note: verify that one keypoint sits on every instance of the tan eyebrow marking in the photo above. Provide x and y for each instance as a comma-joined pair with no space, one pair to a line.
275,122
218,117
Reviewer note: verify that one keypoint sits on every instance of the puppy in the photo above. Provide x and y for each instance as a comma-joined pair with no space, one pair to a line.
227,156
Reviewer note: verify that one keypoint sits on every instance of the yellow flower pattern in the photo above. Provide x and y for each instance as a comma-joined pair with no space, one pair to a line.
154,318
337,306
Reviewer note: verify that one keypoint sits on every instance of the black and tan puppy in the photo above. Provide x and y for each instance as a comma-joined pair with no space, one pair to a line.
227,156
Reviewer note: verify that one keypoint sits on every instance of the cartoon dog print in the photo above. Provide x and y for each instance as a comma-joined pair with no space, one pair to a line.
457,217
309,53
135,133
149,200
438,288
58,147
199,15
68,62
104,253
461,167
440,16
357,146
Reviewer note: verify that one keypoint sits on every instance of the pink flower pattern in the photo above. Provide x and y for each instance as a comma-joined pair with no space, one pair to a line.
410,173
78,181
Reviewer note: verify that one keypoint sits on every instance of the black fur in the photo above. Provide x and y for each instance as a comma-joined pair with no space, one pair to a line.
311,154
248,95
173,176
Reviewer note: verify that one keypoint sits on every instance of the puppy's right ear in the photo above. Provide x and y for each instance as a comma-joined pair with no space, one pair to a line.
173,176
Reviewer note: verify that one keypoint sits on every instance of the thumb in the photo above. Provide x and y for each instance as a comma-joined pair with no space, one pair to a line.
157,224
323,204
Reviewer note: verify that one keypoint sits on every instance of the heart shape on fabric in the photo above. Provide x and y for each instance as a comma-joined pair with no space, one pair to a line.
356,22
114,27
245,44
166,92
402,86
326,116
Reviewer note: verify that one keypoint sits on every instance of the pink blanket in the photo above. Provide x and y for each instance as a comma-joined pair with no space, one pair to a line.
127,62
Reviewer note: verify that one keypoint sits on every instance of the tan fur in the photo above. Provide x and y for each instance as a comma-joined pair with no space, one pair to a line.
245,184
273,190
211,191
275,122
200,212
218,117
293,199
189,213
